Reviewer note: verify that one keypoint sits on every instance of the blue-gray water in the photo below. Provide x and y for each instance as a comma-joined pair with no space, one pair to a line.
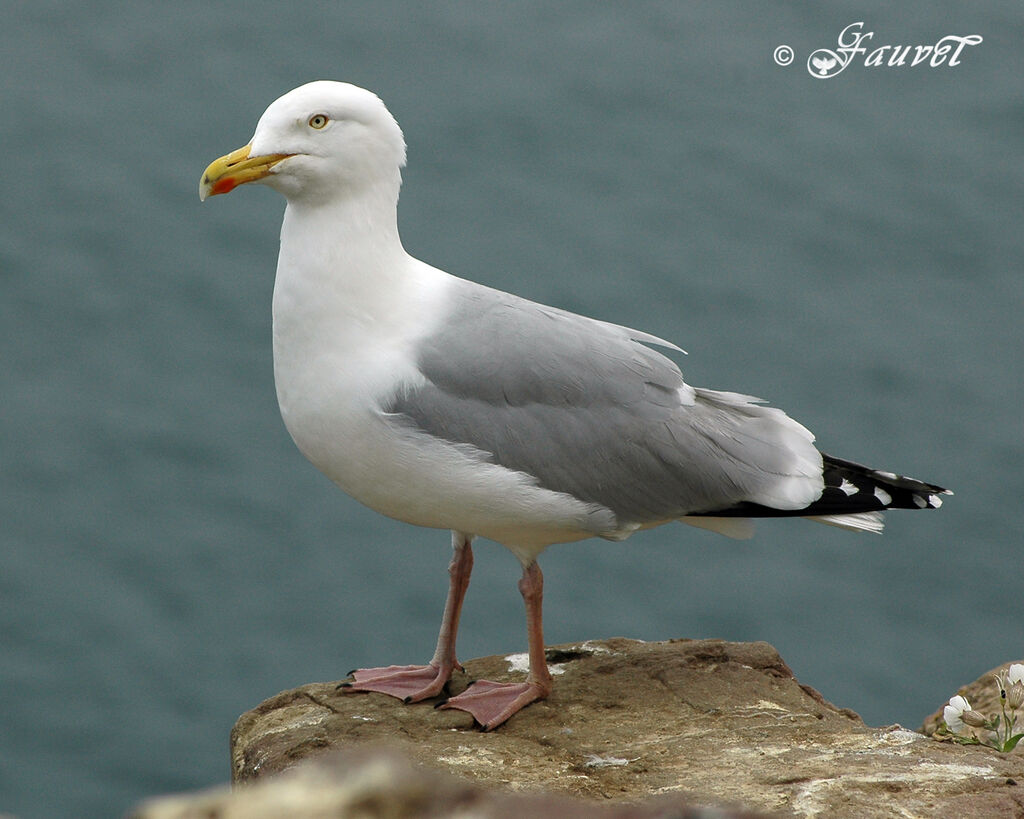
848,248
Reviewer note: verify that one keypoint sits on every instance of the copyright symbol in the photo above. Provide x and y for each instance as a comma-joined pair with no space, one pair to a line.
783,55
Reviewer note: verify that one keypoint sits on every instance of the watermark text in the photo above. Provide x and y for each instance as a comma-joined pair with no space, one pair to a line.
853,43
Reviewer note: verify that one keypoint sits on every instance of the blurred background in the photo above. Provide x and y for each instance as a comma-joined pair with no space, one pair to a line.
849,249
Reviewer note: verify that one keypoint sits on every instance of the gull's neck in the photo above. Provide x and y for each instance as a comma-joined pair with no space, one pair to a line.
341,259
344,281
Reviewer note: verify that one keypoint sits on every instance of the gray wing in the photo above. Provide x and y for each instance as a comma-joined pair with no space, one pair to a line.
587,409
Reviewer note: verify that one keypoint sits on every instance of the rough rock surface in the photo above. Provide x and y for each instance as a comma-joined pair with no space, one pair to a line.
371,783
704,720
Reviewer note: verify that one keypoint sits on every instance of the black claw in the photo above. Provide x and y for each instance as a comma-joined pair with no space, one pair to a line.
343,685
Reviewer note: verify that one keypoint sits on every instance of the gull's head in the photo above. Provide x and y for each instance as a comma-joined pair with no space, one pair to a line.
321,141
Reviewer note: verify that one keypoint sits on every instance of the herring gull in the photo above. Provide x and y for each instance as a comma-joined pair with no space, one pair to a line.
447,404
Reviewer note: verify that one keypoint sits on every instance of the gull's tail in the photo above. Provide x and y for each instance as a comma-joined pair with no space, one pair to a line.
854,498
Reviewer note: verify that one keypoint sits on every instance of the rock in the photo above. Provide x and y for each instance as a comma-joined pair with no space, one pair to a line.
371,783
688,722
716,722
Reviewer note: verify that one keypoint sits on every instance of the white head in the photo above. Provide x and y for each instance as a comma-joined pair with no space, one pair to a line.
323,141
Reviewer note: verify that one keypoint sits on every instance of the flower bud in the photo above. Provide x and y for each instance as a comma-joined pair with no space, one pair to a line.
974,718
1015,696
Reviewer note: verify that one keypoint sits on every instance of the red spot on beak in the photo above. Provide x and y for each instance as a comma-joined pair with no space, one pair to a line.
225,185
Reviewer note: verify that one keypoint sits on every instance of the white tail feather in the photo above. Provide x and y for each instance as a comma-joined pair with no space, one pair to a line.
857,522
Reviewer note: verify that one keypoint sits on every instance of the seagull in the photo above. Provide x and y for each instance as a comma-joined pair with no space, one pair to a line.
450,405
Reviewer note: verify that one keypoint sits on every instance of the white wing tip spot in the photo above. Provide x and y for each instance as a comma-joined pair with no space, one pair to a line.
848,487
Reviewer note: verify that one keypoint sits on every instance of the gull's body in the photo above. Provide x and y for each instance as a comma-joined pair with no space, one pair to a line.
450,405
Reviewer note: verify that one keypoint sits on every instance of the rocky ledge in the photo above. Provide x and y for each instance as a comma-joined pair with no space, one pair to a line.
632,729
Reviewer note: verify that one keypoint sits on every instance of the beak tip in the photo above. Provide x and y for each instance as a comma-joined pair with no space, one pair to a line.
204,187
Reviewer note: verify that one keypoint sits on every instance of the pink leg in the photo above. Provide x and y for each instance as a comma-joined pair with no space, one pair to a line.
492,703
413,683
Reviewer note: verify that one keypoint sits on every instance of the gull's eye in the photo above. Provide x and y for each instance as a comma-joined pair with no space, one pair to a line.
318,121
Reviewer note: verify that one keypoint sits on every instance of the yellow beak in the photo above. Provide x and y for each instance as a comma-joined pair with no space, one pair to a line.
227,173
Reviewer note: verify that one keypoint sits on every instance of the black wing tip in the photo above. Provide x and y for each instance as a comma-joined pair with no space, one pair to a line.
891,490
850,488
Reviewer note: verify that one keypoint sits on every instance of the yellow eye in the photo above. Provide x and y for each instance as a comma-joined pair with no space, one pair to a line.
318,121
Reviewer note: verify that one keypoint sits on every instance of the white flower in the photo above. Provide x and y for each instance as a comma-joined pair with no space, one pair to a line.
1015,674
953,713
1015,696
